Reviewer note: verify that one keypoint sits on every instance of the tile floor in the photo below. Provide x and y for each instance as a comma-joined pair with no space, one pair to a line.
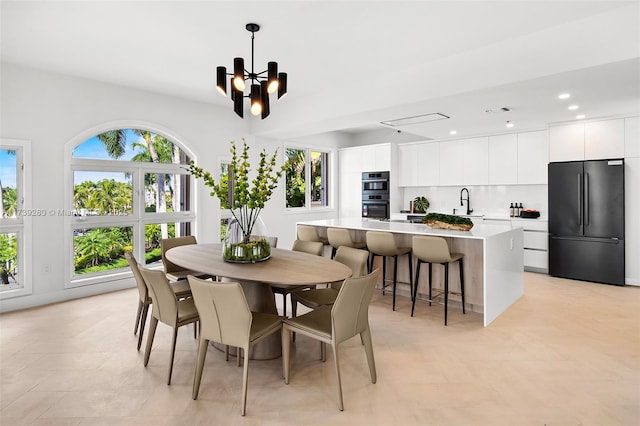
567,353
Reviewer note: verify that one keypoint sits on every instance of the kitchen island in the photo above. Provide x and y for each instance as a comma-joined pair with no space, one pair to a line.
493,260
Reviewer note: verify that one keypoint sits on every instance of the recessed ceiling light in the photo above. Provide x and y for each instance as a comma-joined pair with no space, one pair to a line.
453,132
510,124
564,95
573,107
580,116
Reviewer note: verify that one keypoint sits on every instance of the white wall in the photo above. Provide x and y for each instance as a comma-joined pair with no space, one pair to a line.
51,109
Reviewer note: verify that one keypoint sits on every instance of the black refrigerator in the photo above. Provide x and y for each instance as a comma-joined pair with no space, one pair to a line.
586,220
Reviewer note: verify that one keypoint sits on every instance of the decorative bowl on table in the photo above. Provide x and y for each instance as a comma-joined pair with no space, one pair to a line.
447,221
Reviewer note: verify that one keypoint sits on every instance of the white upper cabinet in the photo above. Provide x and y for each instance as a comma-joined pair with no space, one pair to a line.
596,140
408,165
475,166
566,143
382,157
604,139
503,159
351,163
533,157
349,160
451,158
632,137
428,164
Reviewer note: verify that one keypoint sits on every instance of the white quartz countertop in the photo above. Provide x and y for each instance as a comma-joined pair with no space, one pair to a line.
477,232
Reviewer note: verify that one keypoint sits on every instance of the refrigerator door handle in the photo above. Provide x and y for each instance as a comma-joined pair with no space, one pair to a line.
586,199
579,198
589,239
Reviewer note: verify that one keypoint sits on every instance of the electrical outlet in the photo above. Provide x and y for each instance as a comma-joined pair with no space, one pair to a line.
46,268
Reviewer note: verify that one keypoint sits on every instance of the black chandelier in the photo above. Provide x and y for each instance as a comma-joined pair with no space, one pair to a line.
261,85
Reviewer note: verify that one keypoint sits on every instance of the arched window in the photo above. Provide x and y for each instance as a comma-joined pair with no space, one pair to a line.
130,189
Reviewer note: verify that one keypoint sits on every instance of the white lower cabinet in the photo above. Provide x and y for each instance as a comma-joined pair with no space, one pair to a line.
536,260
536,243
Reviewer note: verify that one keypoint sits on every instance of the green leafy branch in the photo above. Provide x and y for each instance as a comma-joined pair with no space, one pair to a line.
248,199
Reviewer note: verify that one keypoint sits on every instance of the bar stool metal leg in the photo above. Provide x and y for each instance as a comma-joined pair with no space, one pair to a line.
395,279
462,285
415,287
410,256
430,281
446,290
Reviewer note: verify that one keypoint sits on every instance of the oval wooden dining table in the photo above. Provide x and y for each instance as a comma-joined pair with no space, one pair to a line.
284,267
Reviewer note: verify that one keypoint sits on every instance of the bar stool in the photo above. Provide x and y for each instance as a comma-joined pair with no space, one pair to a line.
384,244
436,250
342,237
310,233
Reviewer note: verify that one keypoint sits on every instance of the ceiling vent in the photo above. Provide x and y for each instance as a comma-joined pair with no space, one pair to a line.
417,119
497,110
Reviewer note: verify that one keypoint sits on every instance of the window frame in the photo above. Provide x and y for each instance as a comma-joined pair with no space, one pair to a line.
21,224
331,173
138,219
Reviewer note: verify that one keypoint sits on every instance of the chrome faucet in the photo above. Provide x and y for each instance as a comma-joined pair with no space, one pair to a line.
468,200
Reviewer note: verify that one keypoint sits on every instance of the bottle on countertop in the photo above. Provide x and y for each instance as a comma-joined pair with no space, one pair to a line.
520,208
511,210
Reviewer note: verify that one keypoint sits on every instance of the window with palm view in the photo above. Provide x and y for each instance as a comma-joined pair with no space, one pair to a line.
130,190
12,217
307,178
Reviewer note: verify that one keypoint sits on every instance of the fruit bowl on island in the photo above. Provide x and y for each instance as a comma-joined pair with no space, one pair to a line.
447,221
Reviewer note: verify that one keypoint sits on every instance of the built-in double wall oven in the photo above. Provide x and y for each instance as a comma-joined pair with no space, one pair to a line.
375,195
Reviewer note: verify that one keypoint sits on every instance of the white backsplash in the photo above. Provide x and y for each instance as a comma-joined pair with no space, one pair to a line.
489,200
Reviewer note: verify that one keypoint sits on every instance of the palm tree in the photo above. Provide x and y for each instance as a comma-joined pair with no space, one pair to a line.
295,177
3,210
95,244
115,143
9,200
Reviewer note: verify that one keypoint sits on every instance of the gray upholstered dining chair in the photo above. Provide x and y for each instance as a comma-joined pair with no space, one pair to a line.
166,309
180,288
348,317
310,247
355,259
173,271
225,318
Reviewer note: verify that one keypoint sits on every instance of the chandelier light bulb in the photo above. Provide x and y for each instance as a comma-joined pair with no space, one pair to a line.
272,77
238,83
256,103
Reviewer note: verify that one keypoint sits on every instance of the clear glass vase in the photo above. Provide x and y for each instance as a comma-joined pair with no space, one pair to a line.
238,247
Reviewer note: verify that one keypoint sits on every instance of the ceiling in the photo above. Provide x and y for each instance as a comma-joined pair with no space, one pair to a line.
353,64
